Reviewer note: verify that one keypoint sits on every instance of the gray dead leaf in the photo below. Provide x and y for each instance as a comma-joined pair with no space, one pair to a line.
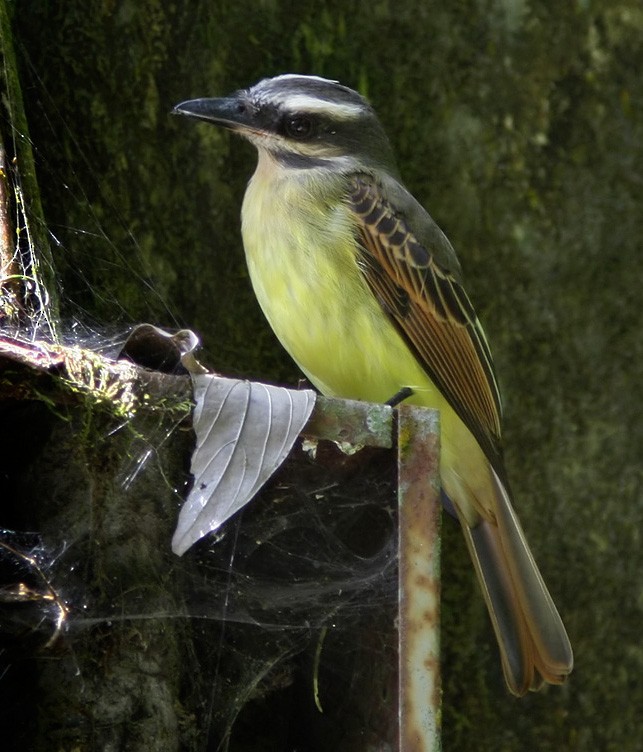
244,432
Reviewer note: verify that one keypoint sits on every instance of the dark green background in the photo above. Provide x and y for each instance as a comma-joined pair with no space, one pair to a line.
520,127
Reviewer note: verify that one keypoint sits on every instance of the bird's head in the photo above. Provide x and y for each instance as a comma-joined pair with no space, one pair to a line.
302,121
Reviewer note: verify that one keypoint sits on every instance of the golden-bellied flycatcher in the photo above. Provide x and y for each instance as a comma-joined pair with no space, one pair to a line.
364,291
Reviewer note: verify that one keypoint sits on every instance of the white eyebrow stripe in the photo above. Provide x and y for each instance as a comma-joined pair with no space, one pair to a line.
287,76
305,103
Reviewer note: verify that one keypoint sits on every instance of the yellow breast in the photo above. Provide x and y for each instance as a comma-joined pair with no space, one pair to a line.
299,238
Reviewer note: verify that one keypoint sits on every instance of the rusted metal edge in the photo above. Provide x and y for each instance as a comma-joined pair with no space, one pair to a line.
419,515
346,421
350,421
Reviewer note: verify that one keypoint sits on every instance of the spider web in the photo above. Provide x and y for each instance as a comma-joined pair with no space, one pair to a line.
284,621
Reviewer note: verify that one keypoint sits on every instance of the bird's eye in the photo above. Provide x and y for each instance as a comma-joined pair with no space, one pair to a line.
300,127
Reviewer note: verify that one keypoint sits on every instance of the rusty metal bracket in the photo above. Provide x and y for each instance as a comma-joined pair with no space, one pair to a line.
419,515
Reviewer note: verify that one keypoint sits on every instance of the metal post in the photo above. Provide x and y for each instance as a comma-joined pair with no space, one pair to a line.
419,580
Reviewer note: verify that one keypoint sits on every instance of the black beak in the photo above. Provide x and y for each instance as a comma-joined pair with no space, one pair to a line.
230,112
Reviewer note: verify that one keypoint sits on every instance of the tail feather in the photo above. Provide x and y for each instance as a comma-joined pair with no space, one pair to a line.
506,618
552,647
533,642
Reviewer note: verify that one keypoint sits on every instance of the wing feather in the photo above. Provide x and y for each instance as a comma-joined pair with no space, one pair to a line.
430,309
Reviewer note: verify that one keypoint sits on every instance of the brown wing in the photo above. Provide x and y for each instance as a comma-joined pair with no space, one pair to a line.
431,310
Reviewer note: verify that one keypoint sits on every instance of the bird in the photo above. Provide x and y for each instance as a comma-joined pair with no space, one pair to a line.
365,292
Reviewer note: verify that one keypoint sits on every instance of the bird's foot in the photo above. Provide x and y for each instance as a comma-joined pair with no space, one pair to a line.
404,393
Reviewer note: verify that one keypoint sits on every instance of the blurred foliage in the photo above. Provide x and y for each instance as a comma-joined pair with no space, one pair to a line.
520,126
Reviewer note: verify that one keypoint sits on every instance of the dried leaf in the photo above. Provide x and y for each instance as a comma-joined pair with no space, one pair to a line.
244,430
162,350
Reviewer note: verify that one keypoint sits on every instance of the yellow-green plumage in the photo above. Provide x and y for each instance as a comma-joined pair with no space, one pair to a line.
306,279
304,272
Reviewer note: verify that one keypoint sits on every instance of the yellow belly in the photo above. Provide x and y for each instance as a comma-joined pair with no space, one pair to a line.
301,259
